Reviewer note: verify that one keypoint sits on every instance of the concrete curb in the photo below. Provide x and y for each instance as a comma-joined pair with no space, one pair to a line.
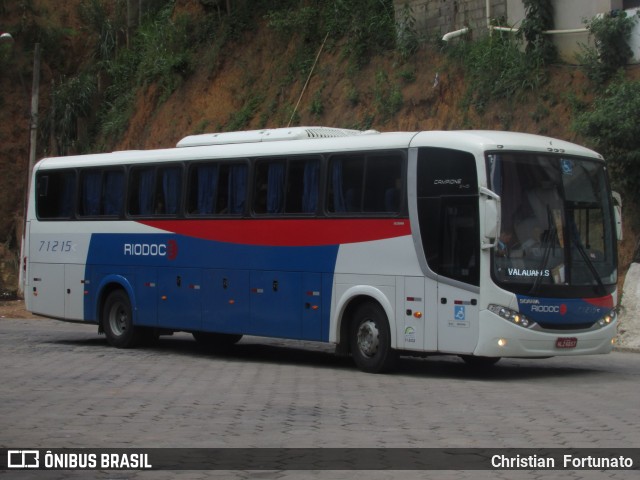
627,349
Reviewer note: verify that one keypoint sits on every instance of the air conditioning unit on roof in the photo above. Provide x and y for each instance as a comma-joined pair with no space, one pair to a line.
268,135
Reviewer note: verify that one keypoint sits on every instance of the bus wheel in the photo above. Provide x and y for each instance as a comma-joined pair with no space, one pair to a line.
371,340
474,361
216,340
117,321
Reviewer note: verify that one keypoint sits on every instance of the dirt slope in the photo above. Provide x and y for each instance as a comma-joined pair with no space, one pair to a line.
252,87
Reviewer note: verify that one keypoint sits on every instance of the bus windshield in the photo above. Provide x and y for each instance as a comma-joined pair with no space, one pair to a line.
557,230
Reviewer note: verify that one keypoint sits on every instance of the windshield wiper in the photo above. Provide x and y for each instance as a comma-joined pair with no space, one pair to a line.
592,268
549,241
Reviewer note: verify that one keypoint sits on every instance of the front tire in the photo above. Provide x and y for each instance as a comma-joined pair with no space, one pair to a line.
117,321
370,340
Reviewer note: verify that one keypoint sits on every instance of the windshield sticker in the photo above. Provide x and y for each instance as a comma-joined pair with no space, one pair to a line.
517,272
567,166
410,335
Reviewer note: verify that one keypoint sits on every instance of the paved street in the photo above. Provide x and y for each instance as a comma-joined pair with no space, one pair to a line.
61,385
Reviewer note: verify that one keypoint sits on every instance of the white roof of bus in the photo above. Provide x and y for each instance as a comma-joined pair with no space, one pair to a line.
493,140
475,141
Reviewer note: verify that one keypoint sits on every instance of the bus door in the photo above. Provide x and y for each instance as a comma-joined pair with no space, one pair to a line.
448,214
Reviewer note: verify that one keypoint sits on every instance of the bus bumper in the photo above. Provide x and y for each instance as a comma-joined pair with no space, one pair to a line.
500,338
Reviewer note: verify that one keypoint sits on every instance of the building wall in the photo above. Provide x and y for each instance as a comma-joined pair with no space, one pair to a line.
437,17
434,18
569,15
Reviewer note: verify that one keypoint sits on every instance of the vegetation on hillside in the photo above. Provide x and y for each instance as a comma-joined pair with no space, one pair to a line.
506,81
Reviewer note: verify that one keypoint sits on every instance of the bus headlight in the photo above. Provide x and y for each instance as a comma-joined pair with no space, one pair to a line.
512,316
608,319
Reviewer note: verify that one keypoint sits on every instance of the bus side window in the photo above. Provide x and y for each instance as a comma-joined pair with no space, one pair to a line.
168,190
113,196
101,193
383,184
233,189
216,189
90,193
55,195
449,214
141,191
365,185
202,189
345,184
268,196
155,191
303,178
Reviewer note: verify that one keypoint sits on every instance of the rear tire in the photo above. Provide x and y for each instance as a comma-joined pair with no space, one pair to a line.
370,340
117,321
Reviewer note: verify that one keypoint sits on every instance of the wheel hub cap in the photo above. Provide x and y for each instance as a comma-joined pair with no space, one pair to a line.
119,321
368,338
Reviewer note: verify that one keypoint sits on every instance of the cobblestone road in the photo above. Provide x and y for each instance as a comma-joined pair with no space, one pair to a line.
62,386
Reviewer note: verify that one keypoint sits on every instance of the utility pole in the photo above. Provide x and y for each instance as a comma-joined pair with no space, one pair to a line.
33,124
33,137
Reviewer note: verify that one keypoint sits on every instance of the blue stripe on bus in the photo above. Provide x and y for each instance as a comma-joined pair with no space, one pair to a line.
186,283
565,311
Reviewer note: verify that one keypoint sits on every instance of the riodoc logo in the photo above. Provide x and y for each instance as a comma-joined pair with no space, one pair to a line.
172,249
169,249
561,309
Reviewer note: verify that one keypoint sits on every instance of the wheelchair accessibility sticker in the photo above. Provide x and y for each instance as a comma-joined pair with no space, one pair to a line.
459,317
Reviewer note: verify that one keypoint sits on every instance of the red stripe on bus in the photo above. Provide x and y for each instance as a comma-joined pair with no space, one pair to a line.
603,302
287,233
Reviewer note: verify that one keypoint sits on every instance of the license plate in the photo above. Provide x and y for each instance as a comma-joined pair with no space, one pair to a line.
566,342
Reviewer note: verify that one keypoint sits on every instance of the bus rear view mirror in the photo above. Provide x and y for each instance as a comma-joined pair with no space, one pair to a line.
617,212
489,218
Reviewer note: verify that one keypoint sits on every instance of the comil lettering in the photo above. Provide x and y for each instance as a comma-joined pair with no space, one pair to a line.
145,249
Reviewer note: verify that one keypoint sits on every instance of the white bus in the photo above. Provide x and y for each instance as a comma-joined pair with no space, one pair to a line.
480,244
